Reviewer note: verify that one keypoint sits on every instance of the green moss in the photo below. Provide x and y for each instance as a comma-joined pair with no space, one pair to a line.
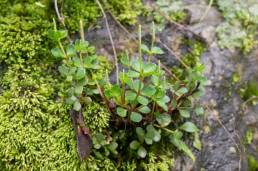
20,45
158,163
238,30
196,49
252,163
124,10
249,90
96,117
80,9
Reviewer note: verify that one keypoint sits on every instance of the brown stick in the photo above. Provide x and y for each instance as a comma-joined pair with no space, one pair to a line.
111,39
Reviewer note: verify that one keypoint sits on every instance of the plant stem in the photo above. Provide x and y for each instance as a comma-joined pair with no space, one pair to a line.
152,41
165,129
82,30
123,90
140,42
111,39
62,48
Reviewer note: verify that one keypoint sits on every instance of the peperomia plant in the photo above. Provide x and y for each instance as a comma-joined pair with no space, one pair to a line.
148,108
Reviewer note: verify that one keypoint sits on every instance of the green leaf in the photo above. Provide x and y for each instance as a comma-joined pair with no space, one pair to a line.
125,60
81,73
145,48
184,113
149,69
199,111
133,74
71,100
163,105
64,70
81,46
197,143
57,35
174,103
76,62
57,53
181,91
140,134
78,90
121,112
152,133
176,141
137,85
148,91
148,141
157,136
137,65
77,105
134,145
115,91
91,62
83,81
135,117
142,100
157,50
145,109
155,80
112,147
163,119
70,51
189,127
130,95
124,78
142,152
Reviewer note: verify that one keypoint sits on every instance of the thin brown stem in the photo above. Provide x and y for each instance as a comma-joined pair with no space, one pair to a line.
111,39
61,18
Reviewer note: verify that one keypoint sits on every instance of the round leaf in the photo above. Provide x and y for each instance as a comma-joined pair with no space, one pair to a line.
57,53
130,96
133,74
199,111
145,109
143,100
184,113
121,112
189,127
163,119
142,152
134,145
80,73
140,133
136,117
77,105
148,91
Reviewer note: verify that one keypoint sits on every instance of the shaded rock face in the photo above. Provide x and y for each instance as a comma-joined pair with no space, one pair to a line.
223,148
225,122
